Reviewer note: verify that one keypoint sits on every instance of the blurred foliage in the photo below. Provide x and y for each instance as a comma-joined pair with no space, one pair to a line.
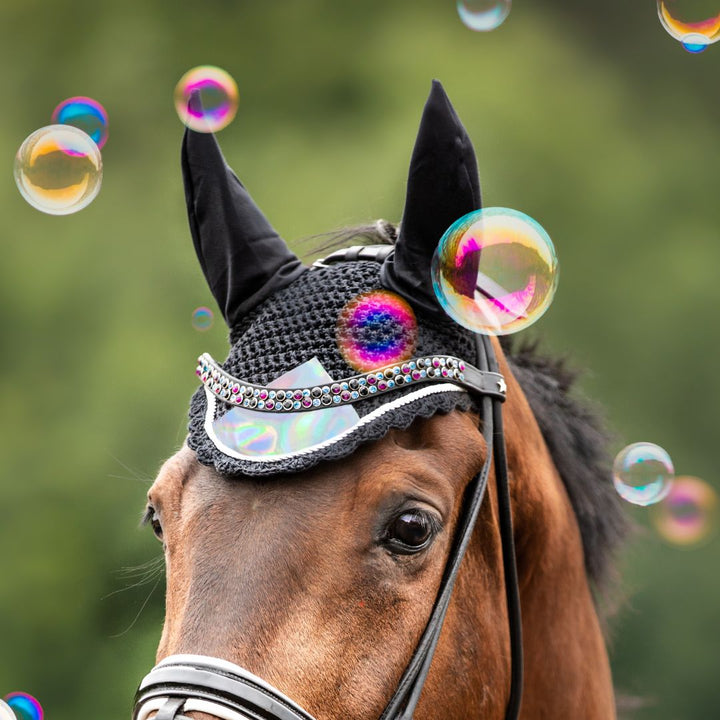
587,116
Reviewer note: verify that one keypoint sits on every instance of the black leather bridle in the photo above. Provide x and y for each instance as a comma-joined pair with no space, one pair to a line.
187,683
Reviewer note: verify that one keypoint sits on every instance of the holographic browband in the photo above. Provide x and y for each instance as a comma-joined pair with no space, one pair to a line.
437,368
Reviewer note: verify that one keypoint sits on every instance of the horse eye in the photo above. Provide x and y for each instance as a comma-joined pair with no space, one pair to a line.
152,518
411,532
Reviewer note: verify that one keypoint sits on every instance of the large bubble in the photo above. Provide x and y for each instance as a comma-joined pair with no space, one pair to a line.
85,114
694,25
215,98
483,15
58,169
376,328
688,514
25,706
643,473
495,271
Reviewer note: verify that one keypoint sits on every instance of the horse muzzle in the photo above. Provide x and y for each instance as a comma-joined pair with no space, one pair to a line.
195,683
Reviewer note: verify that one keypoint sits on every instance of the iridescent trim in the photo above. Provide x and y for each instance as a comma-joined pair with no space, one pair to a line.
384,409
436,368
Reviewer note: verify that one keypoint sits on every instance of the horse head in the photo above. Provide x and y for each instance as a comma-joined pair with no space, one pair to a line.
336,536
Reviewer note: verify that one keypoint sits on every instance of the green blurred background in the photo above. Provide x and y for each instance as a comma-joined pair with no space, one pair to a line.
587,116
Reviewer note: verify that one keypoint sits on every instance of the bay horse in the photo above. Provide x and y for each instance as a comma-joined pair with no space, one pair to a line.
310,576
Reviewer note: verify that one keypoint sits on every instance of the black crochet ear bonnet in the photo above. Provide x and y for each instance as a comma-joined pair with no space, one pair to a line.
283,317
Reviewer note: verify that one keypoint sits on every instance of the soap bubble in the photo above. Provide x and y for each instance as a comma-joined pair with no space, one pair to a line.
483,15
495,271
202,318
58,169
6,712
694,26
86,114
25,706
688,515
643,473
376,328
216,98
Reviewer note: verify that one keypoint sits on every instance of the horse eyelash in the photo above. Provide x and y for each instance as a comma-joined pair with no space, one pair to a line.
147,516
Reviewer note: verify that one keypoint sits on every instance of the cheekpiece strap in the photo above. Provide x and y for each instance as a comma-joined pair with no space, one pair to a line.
433,369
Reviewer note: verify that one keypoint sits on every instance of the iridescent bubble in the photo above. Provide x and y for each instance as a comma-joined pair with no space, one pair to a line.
495,271
643,473
58,169
202,318
483,15
85,114
215,98
6,712
695,26
376,328
688,515
25,706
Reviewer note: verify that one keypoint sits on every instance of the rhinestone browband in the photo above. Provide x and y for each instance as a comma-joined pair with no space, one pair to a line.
437,368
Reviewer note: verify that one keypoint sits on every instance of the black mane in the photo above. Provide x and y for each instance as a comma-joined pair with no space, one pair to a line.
572,428
578,444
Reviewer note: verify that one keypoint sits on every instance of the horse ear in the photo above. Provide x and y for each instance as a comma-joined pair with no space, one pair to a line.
443,185
244,260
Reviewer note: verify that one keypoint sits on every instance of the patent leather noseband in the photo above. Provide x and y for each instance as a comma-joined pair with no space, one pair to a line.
216,687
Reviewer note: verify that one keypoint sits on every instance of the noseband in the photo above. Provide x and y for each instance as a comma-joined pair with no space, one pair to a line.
194,683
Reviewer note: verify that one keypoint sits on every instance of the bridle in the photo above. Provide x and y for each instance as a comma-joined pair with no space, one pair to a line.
187,683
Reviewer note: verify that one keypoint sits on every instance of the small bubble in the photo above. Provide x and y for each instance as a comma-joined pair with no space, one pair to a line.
495,271
643,473
25,706
58,169
688,514
216,96
85,114
202,318
483,15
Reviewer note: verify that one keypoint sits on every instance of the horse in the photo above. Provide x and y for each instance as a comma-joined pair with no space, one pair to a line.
312,580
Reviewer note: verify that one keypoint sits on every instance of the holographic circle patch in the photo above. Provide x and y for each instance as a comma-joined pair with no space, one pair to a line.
688,514
376,328
215,99
682,22
643,473
483,15
85,114
25,706
495,271
58,169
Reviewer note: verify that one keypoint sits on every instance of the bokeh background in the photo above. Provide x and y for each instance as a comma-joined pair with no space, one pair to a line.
587,116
